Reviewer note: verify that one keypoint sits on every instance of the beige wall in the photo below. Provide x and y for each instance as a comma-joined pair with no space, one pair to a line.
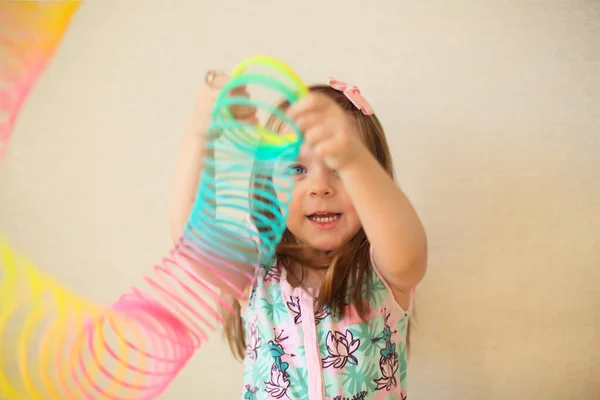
493,114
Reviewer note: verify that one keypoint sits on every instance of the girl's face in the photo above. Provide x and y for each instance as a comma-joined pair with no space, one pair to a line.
321,213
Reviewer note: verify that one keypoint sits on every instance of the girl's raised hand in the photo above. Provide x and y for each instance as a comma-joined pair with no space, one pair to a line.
193,148
329,132
214,82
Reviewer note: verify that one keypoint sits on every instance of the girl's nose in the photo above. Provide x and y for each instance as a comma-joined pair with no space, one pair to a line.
321,185
321,191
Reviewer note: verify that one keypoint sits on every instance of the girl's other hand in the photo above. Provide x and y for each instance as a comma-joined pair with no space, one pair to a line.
328,131
214,83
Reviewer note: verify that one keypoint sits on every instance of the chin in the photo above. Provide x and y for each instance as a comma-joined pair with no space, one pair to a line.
321,241
324,245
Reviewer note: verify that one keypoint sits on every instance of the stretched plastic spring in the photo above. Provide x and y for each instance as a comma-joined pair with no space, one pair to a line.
56,345
30,31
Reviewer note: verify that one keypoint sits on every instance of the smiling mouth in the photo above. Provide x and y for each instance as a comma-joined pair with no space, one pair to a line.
324,218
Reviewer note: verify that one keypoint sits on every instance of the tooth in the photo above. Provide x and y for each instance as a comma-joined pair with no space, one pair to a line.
324,219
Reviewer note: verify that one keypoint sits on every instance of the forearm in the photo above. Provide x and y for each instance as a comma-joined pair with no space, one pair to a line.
230,276
186,180
223,257
389,220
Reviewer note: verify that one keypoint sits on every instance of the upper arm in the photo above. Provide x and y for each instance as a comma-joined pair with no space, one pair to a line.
401,279
231,271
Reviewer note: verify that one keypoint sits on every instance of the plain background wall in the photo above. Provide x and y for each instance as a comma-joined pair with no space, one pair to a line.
492,109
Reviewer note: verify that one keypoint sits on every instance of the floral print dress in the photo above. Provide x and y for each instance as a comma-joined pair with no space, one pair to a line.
296,350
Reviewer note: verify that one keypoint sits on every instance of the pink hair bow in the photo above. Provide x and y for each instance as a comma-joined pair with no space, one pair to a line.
353,94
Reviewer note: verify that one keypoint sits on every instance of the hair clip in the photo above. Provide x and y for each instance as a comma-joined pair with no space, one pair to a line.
353,94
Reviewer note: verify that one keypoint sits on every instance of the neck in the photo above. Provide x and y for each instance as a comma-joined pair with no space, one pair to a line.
307,277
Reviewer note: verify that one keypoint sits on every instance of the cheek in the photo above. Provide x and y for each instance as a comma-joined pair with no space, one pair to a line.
350,211
295,216
346,201
281,186
295,204
291,200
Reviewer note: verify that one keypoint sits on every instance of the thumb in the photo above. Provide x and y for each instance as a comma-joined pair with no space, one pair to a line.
219,80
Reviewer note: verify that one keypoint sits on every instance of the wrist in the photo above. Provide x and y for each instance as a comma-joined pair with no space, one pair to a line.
360,159
198,125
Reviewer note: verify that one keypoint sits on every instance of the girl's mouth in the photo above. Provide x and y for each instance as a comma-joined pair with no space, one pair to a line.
324,220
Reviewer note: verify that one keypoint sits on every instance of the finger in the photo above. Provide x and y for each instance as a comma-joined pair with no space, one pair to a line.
252,119
315,136
305,151
242,111
310,122
326,151
306,105
239,91
238,111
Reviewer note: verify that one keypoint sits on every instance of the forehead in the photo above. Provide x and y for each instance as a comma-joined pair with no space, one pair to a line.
285,128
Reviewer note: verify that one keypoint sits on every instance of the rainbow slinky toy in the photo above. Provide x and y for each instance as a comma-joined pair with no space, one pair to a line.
56,345
30,32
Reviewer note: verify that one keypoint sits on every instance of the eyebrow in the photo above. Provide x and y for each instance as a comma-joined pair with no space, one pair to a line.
302,159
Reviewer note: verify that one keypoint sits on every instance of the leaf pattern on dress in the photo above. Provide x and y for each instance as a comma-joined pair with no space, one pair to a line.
368,330
378,292
298,387
357,378
274,309
359,396
360,361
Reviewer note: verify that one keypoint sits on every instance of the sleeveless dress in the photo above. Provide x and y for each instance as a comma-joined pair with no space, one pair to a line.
296,350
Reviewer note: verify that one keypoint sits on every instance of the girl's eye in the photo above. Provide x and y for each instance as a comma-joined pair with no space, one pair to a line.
295,170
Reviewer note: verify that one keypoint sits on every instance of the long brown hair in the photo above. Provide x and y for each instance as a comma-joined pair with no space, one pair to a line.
348,276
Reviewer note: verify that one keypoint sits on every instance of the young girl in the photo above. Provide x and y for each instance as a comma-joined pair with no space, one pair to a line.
328,317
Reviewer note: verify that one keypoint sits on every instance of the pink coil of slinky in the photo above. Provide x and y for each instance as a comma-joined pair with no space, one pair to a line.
54,344
30,32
